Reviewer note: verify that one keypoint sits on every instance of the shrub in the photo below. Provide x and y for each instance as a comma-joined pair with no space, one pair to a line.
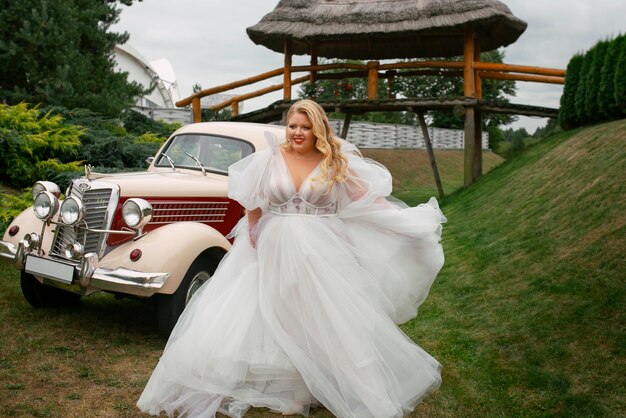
32,142
11,205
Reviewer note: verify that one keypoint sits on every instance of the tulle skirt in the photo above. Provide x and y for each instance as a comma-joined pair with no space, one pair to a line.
299,321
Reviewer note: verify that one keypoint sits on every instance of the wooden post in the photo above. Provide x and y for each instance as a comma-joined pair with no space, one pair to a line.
469,90
431,153
197,113
234,109
477,80
478,145
469,145
346,125
372,80
313,74
287,73
391,75
478,118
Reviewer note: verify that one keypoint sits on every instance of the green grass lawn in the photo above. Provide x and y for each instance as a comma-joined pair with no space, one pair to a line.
527,316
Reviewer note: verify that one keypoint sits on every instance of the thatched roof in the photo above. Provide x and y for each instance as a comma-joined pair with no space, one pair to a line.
379,29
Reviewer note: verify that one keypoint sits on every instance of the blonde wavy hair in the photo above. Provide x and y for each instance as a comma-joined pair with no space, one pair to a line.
334,165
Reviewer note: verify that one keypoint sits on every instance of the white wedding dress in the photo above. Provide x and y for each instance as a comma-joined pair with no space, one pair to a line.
309,316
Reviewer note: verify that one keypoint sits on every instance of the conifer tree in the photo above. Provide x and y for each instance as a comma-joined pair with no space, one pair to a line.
581,89
568,118
620,81
606,95
60,52
592,90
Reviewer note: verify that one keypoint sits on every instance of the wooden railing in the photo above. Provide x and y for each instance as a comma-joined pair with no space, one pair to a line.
374,71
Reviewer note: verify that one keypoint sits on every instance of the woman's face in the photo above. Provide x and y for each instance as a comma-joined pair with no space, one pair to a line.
300,133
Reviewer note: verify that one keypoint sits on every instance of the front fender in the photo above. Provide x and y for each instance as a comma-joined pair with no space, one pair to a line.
169,249
28,222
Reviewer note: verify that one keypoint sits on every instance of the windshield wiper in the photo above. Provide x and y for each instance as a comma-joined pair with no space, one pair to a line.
169,160
197,161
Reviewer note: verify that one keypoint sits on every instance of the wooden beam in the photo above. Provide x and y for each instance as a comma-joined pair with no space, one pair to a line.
469,146
522,77
195,108
478,145
477,80
372,80
391,76
224,87
234,109
495,66
346,125
469,90
313,73
287,73
256,93
431,153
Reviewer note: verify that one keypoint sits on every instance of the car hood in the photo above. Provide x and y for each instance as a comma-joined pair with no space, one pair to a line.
180,183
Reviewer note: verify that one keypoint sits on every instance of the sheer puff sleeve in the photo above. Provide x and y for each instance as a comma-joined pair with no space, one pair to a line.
399,245
246,180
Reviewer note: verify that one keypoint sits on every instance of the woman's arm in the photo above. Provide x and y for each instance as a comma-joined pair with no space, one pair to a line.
253,218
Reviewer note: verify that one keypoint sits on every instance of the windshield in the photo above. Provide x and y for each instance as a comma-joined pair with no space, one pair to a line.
215,153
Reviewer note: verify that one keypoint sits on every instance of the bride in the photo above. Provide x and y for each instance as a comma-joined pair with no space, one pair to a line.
302,311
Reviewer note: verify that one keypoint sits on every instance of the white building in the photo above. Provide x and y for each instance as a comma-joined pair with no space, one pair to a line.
160,103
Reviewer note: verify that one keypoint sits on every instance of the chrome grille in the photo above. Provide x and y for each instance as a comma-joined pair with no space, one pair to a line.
97,216
165,212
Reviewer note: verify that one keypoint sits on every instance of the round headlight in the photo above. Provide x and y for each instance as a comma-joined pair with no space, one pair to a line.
46,186
136,213
72,211
45,205
74,251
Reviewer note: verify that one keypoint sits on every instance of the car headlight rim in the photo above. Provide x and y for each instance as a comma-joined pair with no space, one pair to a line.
45,186
45,205
136,213
72,211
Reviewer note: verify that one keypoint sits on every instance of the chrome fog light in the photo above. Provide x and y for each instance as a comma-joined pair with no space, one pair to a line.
136,213
72,211
74,251
45,205
32,241
46,186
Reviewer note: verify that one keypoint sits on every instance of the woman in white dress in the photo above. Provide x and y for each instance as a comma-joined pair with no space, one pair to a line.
303,309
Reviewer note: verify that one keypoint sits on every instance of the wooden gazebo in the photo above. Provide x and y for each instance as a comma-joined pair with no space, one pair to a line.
374,30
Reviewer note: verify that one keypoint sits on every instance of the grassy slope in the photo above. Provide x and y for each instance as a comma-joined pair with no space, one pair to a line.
528,313
413,179
526,317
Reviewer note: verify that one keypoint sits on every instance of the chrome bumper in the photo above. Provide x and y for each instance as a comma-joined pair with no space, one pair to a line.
83,274
7,251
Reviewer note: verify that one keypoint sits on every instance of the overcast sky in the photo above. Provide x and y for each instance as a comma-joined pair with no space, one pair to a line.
206,41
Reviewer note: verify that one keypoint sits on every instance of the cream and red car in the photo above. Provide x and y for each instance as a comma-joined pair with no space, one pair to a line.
158,233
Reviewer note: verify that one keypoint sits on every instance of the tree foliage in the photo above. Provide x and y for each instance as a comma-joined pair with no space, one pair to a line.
568,118
620,81
595,85
60,52
35,145
592,90
606,96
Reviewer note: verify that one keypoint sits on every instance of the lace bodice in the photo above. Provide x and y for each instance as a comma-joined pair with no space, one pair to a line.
313,198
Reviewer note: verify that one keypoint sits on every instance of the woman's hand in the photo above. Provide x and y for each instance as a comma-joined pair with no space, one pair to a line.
253,219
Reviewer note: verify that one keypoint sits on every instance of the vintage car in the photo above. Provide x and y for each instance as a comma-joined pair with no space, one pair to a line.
157,234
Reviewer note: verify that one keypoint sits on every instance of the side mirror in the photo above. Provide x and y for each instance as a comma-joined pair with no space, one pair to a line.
149,160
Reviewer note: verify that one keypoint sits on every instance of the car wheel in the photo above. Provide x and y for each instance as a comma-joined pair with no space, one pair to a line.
169,307
39,295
